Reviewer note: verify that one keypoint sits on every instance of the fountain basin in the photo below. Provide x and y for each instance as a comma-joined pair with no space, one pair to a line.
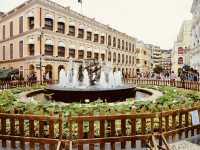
91,93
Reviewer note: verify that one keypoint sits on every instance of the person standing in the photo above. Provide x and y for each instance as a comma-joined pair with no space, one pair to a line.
172,78
183,77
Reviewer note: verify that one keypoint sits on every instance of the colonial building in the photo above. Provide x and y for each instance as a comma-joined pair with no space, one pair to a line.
143,58
39,36
166,60
156,55
195,46
181,46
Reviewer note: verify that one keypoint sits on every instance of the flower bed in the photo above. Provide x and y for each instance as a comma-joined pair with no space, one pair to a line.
173,98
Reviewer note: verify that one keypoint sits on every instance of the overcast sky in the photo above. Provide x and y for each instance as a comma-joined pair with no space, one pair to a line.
153,21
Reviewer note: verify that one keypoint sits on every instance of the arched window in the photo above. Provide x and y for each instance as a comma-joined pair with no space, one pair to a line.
180,50
180,60
48,72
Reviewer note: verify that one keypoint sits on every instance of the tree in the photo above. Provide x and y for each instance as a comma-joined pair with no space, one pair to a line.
158,69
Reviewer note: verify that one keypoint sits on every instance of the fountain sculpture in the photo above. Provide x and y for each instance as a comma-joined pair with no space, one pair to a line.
92,82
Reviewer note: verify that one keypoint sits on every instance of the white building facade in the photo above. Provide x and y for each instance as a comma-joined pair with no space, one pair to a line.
182,47
195,45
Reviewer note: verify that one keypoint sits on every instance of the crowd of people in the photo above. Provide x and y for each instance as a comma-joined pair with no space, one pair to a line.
181,76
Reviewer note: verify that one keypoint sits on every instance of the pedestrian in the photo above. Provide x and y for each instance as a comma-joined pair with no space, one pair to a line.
173,78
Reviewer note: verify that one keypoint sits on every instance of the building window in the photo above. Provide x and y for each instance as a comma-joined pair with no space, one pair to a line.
11,51
122,44
61,51
61,27
122,58
109,56
114,42
126,45
49,50
31,49
137,61
126,59
109,40
119,58
21,27
96,56
180,50
145,63
133,60
180,60
4,52
129,60
119,44
102,39
96,38
49,24
89,55
21,49
114,58
11,29
145,53
81,33
71,30
133,47
103,57
129,46
71,53
80,54
89,36
4,32
31,23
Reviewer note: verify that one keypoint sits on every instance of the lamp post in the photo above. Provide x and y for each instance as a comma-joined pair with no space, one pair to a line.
41,78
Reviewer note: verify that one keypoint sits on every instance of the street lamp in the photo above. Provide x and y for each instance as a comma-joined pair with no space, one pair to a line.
41,78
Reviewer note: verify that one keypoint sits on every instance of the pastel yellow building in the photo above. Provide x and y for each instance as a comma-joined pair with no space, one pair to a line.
40,36
143,58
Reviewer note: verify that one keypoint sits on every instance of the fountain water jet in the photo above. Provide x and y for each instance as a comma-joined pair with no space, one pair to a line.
73,87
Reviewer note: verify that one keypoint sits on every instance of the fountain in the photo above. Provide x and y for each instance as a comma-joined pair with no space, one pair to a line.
92,82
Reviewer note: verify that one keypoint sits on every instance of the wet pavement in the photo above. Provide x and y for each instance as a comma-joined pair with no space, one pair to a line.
187,144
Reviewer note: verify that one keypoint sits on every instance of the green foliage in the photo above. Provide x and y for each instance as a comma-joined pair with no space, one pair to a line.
158,69
172,98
